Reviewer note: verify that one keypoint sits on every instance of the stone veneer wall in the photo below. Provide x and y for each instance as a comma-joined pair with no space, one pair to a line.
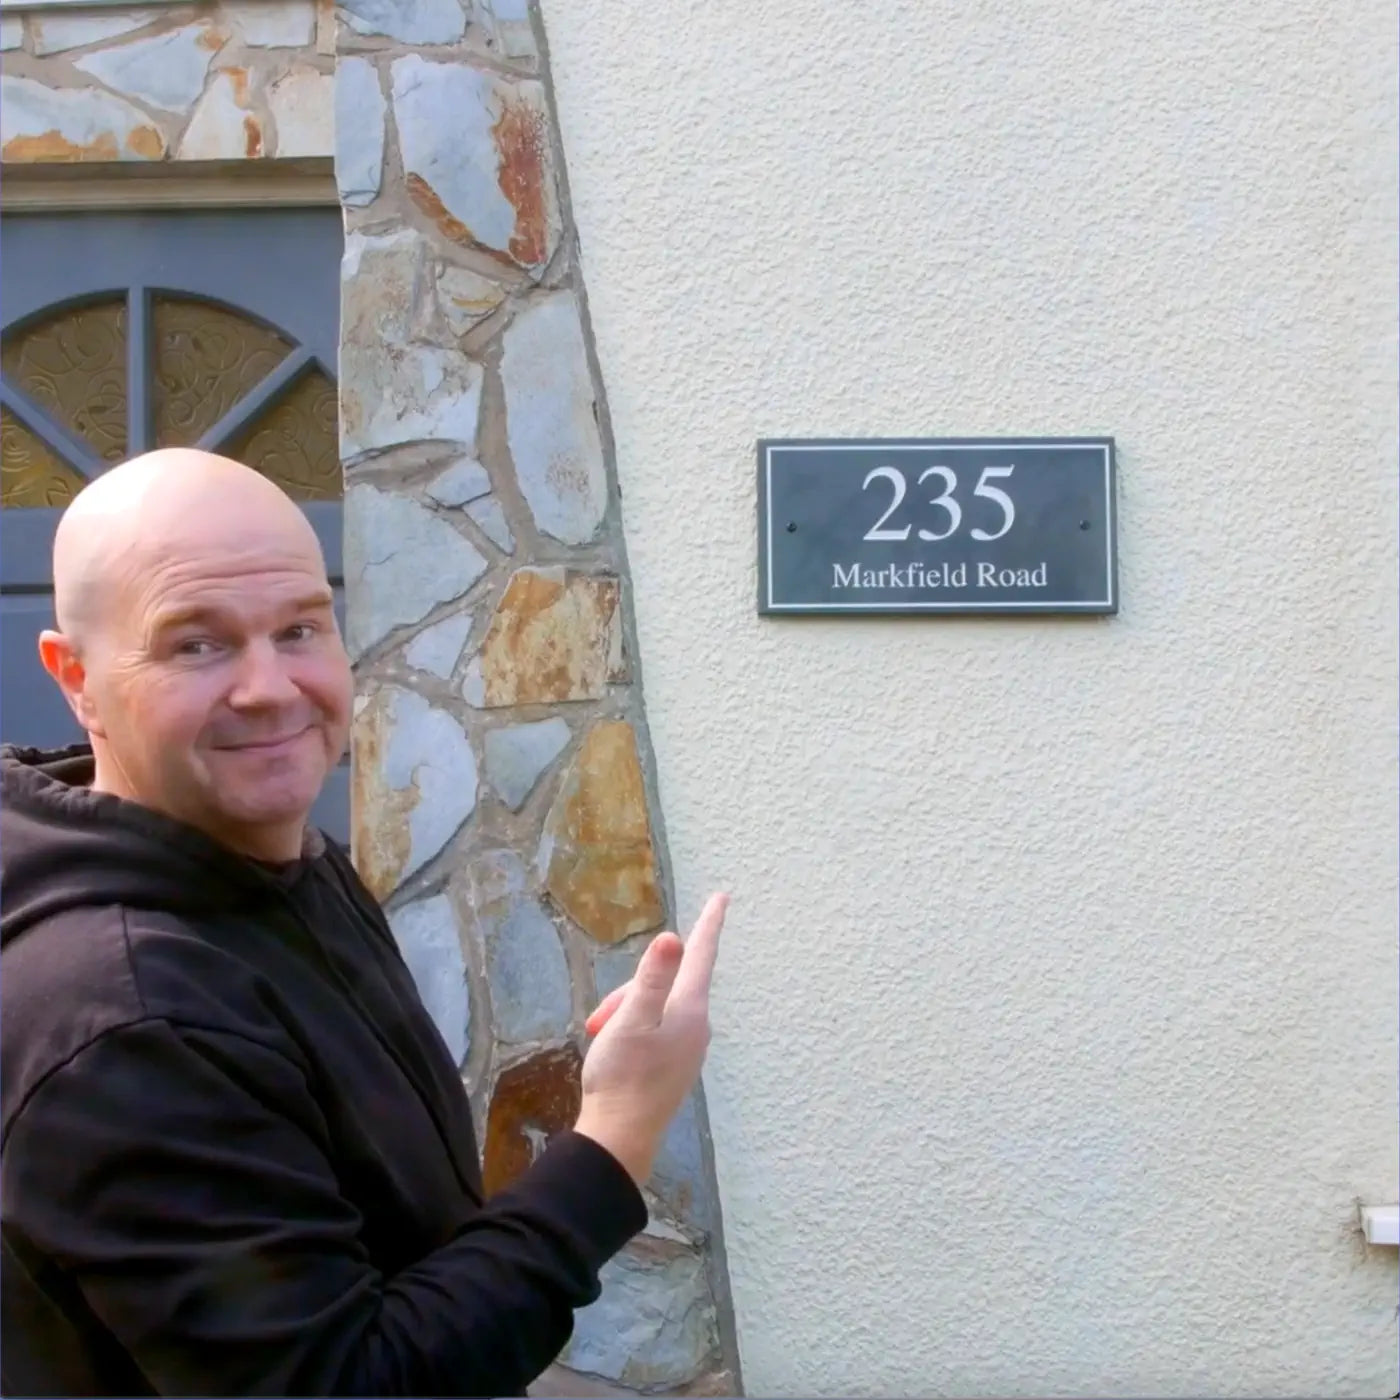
504,806
503,803
235,80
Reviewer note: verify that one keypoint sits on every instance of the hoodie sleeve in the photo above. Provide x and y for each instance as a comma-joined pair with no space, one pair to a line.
206,1231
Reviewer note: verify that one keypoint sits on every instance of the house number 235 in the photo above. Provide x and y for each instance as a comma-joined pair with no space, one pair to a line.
945,501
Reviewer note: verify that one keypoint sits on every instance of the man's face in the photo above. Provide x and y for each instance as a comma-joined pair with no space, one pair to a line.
218,685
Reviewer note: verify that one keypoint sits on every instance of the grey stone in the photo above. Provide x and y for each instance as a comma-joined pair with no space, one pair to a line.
529,978
466,298
443,113
426,932
437,648
492,518
554,440
272,24
409,21
462,482
57,33
359,131
419,394
428,752
450,119
512,24
382,285
401,561
517,40
517,756
167,70
222,127
303,107
396,385
611,968
474,685
11,32
678,1178
74,123
525,965
654,1324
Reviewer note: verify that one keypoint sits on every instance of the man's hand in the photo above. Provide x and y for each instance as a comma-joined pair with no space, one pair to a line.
651,1038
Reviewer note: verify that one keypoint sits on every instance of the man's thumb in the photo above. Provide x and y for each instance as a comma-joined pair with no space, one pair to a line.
651,983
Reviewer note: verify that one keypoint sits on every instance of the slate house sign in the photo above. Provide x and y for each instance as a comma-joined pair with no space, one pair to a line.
937,525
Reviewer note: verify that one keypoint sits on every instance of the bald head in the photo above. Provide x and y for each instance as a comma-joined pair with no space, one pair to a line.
162,504
197,646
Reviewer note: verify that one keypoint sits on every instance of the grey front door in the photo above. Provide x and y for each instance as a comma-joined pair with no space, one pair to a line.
126,331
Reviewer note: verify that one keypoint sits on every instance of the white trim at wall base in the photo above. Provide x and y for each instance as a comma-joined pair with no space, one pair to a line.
241,184
1381,1224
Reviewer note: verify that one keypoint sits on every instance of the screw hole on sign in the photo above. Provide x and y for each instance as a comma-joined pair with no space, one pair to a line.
1084,525
791,527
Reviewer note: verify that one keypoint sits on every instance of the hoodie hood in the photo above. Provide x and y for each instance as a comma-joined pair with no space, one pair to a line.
63,846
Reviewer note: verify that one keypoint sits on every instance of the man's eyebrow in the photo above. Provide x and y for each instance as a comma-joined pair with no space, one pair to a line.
174,618
197,614
313,602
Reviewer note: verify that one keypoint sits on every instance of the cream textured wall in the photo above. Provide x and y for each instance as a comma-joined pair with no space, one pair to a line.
1056,1028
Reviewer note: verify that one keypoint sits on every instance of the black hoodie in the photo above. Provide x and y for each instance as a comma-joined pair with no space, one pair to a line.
237,1158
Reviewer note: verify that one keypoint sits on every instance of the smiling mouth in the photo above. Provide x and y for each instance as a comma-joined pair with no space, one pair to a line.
265,745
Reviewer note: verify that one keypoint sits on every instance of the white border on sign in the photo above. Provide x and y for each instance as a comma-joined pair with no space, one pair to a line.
954,447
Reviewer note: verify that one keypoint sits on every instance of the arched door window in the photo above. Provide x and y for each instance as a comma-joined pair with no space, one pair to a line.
210,330
84,386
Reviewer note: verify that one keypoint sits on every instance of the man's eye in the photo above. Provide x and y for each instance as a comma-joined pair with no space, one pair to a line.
194,646
300,632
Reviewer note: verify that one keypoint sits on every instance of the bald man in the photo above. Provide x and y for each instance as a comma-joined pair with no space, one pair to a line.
237,1158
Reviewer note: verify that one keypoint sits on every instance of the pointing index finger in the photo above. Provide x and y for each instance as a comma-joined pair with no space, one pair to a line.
702,948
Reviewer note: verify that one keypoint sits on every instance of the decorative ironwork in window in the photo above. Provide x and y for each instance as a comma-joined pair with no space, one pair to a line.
87,384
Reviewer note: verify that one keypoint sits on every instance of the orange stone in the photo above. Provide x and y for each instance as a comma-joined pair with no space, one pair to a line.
60,125
413,785
428,200
556,636
521,136
600,860
379,814
533,1101
53,146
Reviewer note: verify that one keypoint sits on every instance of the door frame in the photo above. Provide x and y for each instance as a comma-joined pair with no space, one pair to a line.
174,191
265,296
77,187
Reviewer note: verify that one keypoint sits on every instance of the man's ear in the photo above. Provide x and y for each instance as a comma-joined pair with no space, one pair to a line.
61,660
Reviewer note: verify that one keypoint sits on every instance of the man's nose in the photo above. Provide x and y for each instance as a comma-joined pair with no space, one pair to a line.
262,679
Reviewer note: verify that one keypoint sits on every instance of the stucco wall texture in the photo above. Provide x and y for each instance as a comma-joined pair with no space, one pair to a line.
1056,1026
